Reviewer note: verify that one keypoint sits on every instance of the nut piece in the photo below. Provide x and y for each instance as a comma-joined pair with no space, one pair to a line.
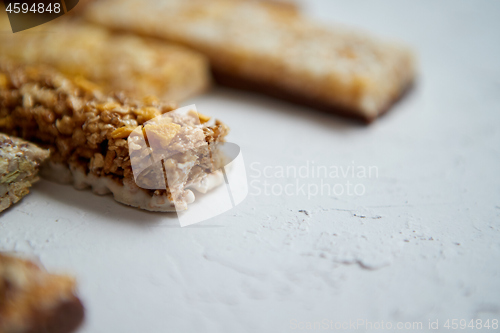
146,113
151,100
65,125
161,133
122,132
6,122
4,81
108,106
98,161
203,118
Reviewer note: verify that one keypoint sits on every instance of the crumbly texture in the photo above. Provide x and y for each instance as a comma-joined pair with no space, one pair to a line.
87,133
32,300
19,163
116,62
291,5
270,46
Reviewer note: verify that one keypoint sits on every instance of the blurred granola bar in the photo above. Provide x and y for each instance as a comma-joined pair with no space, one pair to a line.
259,46
116,62
19,163
88,131
33,300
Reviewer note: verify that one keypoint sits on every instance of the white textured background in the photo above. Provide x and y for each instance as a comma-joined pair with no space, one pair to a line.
422,244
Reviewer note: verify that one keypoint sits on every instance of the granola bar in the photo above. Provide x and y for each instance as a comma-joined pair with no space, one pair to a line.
116,62
19,163
266,48
33,300
88,131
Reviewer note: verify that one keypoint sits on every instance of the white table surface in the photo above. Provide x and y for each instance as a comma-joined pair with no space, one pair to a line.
423,242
